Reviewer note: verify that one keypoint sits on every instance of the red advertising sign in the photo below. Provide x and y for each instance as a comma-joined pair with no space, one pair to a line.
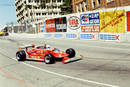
90,28
50,25
128,21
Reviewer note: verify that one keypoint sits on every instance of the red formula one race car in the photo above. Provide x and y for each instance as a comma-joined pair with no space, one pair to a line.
44,53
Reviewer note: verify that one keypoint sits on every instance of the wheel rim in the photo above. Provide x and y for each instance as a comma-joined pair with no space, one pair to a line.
17,57
47,59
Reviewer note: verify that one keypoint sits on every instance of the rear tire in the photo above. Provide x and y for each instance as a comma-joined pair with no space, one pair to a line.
49,59
71,52
21,55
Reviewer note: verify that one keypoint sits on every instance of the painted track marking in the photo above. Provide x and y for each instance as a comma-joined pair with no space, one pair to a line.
14,78
70,77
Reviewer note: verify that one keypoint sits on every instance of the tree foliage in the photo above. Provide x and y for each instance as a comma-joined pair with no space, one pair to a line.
66,8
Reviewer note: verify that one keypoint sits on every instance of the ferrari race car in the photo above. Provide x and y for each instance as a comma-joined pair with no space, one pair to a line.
44,53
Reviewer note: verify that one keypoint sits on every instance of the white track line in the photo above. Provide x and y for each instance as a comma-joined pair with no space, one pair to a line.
70,77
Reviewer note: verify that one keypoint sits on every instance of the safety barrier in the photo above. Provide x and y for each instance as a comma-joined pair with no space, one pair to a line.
89,36
59,35
108,25
110,37
71,36
48,35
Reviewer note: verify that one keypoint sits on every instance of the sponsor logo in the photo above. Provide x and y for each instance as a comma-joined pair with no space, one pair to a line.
90,22
91,18
87,36
74,23
84,19
109,37
58,35
71,35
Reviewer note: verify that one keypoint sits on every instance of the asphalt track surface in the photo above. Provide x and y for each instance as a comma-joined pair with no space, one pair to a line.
105,64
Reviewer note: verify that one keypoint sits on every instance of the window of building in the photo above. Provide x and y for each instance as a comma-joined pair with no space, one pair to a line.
44,7
24,2
53,0
43,13
54,6
58,0
59,6
85,2
98,2
55,13
47,1
49,13
29,1
109,0
81,7
36,1
38,14
93,3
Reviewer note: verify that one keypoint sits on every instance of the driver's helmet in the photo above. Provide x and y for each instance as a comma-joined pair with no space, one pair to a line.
48,46
33,45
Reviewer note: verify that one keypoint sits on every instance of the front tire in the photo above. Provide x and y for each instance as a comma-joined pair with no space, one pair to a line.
21,55
49,59
71,52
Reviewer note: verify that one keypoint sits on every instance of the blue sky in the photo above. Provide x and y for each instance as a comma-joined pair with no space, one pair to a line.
7,12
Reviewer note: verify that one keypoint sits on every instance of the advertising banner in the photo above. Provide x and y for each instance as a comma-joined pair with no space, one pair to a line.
90,22
48,35
58,35
112,21
56,25
128,21
73,23
61,24
41,27
50,25
71,36
89,36
111,37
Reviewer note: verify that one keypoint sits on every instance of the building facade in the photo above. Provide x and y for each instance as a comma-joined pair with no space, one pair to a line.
17,28
89,5
31,11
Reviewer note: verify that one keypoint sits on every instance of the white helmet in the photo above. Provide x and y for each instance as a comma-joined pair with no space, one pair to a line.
48,46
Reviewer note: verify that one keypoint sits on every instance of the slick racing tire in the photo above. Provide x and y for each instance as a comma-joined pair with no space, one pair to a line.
21,55
49,59
71,52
